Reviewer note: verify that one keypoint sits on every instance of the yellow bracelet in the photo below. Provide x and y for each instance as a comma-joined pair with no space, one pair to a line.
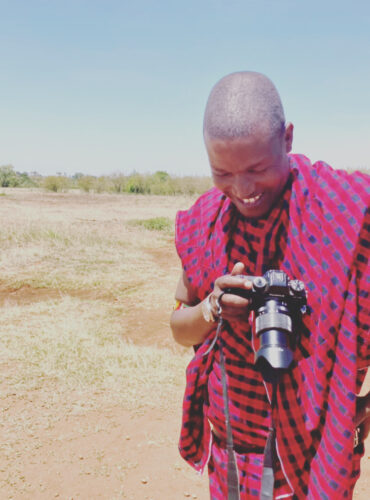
179,305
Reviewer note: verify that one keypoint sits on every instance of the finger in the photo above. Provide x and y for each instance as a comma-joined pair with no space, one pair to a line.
242,316
238,269
230,306
233,301
235,314
229,281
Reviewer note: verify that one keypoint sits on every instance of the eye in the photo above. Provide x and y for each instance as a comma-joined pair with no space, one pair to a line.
220,174
259,170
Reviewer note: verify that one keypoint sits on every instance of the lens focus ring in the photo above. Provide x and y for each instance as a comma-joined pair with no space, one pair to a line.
273,321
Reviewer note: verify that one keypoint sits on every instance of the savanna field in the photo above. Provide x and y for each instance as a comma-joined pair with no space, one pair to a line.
91,380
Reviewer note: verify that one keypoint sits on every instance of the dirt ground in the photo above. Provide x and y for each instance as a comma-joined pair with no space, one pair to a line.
110,453
73,445
61,448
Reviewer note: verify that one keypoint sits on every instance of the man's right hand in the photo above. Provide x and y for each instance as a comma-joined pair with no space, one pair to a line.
233,307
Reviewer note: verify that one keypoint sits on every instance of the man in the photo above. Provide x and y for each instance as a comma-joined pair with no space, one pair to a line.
272,210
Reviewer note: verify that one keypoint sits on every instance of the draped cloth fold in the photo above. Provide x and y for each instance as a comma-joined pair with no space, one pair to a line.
318,232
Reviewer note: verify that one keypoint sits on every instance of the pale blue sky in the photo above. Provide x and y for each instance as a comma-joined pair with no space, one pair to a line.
104,86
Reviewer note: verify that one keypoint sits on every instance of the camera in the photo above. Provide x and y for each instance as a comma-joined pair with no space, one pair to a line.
278,304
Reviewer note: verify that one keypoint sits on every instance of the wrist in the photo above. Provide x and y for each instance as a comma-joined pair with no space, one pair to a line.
207,310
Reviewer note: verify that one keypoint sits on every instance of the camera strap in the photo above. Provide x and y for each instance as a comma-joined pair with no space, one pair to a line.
232,468
269,459
267,482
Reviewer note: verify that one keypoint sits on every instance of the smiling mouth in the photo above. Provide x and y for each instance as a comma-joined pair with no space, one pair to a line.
251,201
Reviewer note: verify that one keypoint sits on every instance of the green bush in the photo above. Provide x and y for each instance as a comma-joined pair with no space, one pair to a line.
8,178
102,184
56,183
136,183
118,183
25,180
86,183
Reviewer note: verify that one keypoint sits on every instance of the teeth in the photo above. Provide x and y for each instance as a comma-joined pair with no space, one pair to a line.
252,200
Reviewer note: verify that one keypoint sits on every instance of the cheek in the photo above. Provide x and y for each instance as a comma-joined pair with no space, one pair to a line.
274,181
222,183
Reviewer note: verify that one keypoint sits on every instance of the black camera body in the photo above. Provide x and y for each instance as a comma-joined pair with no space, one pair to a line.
278,304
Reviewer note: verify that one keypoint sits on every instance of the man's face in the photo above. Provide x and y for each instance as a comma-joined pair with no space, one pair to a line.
251,171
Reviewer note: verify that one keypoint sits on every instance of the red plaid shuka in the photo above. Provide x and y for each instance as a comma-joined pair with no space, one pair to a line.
318,233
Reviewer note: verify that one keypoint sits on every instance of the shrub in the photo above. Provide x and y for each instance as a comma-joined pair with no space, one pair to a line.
102,184
25,180
136,183
8,178
86,183
118,183
56,183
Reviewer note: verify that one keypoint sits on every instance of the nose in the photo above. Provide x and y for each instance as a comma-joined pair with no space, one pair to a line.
244,186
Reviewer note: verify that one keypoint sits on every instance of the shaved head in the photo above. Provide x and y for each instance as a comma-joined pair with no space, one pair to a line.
241,105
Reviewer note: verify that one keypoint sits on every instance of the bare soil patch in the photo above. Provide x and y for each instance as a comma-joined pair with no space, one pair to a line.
70,451
26,294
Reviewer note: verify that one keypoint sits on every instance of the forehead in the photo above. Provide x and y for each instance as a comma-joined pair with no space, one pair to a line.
242,152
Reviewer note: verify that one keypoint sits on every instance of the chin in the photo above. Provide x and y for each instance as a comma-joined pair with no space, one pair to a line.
253,212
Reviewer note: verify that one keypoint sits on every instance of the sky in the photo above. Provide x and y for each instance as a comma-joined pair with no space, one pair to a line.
108,86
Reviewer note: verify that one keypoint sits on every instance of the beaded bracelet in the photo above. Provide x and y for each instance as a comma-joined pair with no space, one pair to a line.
179,305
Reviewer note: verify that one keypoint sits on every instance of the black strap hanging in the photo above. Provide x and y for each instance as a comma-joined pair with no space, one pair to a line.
270,456
232,468
269,459
267,482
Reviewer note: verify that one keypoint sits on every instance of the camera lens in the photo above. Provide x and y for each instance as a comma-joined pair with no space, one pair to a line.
274,329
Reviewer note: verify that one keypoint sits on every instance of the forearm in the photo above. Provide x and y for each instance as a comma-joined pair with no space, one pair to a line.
189,326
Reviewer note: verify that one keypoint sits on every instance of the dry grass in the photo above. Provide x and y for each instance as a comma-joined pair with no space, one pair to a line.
81,348
100,270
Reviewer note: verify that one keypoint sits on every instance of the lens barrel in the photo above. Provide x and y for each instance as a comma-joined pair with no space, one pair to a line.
273,327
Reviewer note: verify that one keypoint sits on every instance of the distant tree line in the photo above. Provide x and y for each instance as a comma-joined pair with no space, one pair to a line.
10,178
160,183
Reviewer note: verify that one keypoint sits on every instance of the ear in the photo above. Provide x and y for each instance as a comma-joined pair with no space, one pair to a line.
288,137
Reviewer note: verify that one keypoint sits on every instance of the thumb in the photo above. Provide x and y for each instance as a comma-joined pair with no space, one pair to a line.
238,269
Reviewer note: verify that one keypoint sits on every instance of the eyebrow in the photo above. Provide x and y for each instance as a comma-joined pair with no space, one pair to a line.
251,167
